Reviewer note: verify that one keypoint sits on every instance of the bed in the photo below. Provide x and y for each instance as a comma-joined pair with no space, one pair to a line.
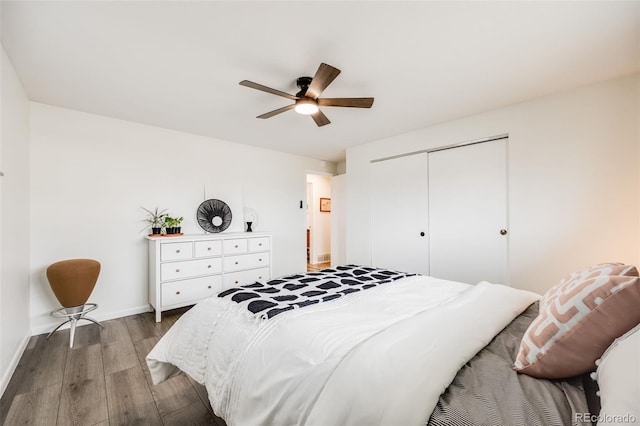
361,345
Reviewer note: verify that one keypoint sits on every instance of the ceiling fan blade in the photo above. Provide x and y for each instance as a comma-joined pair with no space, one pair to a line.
257,86
346,102
277,111
320,118
324,76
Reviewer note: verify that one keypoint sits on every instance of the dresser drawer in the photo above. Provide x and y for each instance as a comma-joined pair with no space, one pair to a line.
235,246
185,291
235,279
245,261
208,248
190,268
258,244
176,251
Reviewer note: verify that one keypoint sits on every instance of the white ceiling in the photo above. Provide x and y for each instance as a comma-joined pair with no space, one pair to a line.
177,64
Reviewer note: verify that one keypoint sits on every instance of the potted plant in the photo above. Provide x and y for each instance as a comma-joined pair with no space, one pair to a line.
155,219
170,225
176,223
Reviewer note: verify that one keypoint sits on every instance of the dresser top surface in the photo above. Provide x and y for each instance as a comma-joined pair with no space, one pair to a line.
208,236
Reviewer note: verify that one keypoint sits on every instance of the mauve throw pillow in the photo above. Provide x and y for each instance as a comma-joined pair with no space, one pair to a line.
578,319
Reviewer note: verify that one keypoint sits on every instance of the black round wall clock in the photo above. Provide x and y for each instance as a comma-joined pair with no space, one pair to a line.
214,215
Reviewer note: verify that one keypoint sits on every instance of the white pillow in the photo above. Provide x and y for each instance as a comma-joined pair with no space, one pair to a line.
618,376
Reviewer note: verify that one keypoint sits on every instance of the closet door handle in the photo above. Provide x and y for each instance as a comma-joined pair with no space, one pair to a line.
503,232
422,234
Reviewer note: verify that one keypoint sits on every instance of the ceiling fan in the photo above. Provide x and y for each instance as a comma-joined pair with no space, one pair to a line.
307,101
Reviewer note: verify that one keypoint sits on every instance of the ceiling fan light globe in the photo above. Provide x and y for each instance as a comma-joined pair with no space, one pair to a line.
305,107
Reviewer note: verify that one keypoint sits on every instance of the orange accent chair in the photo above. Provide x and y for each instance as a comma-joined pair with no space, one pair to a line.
72,282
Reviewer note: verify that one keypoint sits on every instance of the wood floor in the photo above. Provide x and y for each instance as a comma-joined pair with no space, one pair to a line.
317,266
102,381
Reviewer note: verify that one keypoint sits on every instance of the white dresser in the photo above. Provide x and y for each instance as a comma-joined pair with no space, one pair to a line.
186,269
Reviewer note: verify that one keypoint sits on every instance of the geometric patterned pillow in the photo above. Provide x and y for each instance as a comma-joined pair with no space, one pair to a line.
578,320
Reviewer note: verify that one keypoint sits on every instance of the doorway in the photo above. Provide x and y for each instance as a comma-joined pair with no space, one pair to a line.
318,224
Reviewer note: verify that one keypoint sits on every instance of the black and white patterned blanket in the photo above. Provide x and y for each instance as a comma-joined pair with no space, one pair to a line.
282,294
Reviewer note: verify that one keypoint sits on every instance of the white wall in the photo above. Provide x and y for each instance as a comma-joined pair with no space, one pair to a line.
338,220
14,221
91,174
638,138
320,221
574,185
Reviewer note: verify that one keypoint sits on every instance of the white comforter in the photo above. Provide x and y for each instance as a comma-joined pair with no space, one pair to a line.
380,356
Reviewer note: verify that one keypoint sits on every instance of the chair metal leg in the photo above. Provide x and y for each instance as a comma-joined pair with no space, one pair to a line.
93,321
56,329
72,333
74,314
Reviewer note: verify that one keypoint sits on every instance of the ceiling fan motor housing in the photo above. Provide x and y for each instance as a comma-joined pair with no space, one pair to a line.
303,83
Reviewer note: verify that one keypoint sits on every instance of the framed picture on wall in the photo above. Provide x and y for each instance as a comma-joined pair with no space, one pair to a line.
325,204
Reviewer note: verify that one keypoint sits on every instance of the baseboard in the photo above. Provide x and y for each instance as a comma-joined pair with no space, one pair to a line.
47,327
8,373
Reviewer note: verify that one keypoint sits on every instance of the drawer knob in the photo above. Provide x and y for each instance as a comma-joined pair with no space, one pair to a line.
177,251
208,286
177,270
259,244
236,282
259,260
177,292
236,262
208,266
209,248
236,246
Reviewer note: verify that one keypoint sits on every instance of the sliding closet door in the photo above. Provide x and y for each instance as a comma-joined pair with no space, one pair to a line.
398,214
468,213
